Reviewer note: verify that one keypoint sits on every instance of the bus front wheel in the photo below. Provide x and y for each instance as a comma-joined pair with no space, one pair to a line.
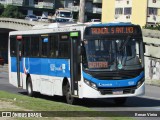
69,98
29,87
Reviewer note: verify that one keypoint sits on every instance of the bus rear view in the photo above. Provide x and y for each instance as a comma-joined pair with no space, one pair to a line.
113,61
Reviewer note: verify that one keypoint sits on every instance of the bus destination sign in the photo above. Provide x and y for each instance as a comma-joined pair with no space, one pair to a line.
113,30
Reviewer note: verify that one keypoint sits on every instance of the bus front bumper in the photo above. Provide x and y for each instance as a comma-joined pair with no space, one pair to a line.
88,92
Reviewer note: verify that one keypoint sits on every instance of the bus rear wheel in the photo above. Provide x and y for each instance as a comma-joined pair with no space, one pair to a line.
29,87
69,98
120,101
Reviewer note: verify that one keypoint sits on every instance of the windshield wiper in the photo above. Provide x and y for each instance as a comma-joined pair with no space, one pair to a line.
124,43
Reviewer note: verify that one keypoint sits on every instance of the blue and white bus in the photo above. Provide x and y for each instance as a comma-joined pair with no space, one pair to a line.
79,61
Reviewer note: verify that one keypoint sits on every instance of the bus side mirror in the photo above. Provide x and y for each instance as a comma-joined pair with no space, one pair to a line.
144,48
79,50
82,50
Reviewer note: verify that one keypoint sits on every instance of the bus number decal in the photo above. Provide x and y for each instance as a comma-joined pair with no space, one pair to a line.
97,64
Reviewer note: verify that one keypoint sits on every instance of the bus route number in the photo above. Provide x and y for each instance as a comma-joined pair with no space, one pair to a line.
112,30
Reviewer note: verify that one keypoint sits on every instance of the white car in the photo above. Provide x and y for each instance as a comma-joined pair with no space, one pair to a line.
95,20
44,19
31,18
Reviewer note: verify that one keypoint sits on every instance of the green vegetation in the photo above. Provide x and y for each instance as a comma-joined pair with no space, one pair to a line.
12,12
155,27
35,104
14,102
1,8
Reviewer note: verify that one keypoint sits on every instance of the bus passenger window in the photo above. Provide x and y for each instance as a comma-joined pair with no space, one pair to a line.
26,46
35,46
13,46
44,51
53,46
63,51
63,46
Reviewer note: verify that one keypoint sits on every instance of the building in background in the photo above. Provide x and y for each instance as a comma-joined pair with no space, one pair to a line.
143,12
37,7
93,9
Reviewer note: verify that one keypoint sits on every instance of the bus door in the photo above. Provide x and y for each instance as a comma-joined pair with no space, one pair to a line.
75,62
18,59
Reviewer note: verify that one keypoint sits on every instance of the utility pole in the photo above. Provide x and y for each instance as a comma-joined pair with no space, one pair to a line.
81,17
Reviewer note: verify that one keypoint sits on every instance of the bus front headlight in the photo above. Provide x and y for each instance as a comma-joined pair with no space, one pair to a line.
91,84
140,82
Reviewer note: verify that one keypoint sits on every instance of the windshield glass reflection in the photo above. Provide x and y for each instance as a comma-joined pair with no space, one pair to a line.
112,54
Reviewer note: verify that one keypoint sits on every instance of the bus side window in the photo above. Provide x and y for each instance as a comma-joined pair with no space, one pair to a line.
63,51
53,46
26,46
63,46
35,46
44,49
13,46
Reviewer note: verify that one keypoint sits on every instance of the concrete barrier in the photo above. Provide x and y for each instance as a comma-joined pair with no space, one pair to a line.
151,33
18,24
152,56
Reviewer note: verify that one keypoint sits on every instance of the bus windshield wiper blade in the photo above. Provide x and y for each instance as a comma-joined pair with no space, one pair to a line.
124,43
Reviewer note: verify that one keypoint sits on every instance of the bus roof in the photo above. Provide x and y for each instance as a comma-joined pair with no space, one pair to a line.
113,24
51,28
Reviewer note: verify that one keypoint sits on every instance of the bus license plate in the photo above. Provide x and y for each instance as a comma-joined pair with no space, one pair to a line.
117,92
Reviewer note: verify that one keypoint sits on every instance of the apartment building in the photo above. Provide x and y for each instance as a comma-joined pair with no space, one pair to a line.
38,7
12,2
93,8
142,12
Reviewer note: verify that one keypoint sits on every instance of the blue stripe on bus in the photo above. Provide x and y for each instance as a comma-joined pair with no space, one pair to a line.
43,66
114,83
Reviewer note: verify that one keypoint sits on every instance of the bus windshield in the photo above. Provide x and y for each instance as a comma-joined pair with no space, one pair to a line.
112,54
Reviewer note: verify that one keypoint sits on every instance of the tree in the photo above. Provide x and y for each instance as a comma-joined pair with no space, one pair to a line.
1,8
12,12
82,11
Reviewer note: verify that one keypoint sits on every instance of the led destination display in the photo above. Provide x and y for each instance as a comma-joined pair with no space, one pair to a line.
112,30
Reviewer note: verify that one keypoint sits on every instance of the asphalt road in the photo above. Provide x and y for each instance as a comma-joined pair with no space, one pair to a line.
4,81
149,102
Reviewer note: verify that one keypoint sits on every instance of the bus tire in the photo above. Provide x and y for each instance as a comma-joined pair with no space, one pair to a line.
120,101
69,98
29,87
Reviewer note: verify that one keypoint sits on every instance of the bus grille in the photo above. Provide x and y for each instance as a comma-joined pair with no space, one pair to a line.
109,91
114,75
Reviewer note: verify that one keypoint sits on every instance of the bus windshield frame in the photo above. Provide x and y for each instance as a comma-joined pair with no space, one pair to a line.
113,52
